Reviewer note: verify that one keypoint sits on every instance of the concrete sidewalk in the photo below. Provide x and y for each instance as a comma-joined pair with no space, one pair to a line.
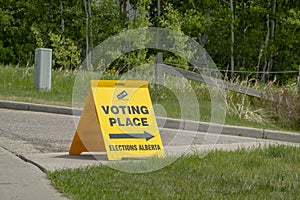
22,180
57,161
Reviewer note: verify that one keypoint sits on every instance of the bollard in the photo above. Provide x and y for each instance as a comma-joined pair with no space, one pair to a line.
42,68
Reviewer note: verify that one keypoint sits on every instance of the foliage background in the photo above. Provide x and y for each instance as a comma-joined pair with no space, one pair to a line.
266,32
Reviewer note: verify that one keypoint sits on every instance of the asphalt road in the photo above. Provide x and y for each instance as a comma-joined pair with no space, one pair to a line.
25,132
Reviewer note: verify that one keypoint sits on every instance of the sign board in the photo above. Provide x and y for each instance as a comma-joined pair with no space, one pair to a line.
124,125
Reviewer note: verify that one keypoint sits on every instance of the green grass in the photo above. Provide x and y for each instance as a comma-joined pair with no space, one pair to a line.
17,84
270,173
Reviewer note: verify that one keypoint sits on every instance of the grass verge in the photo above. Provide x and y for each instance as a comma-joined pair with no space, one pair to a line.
17,84
263,173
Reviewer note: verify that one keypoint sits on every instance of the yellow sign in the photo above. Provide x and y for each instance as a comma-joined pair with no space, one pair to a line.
126,120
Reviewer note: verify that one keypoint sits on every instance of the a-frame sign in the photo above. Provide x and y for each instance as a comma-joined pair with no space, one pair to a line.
118,118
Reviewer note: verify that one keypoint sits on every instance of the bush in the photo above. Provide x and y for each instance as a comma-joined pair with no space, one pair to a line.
285,104
280,104
65,53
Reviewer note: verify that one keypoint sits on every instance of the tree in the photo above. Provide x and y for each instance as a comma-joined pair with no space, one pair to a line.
249,35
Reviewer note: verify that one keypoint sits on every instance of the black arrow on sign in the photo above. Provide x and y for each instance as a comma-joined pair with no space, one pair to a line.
144,135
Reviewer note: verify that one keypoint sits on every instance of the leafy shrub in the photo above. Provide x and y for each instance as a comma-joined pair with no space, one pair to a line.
65,53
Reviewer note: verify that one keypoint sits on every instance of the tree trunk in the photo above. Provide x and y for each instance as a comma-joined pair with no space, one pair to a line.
232,39
62,21
158,8
272,35
87,35
203,37
244,32
90,26
263,77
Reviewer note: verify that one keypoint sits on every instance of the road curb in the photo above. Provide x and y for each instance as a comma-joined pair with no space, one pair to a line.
39,108
169,123
228,130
